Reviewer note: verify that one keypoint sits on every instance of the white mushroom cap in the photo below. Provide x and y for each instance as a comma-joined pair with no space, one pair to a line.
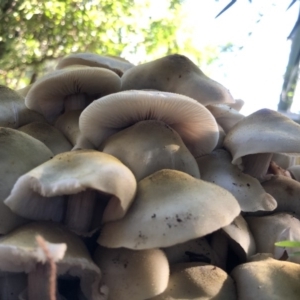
48,135
176,74
70,173
115,64
13,112
47,94
217,168
170,207
268,230
19,253
19,153
150,146
110,114
198,281
265,131
132,274
266,279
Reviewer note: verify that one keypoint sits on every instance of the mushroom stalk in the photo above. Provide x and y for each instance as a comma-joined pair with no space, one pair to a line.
80,210
38,283
76,102
257,165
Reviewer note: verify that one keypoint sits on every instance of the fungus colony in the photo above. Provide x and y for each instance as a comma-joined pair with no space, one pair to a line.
144,182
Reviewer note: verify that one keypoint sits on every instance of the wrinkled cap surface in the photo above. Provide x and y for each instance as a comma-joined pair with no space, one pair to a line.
191,120
170,207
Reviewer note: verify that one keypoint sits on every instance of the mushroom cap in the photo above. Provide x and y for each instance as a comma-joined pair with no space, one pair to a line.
131,274
170,207
295,171
286,193
13,112
267,279
47,94
268,230
150,146
198,281
115,64
265,131
110,114
176,74
19,253
19,153
70,173
48,135
226,116
217,168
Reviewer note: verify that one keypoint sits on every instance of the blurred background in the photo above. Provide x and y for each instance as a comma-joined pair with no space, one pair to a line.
252,47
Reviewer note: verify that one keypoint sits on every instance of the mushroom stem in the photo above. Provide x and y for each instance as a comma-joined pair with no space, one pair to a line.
257,165
75,102
80,210
38,283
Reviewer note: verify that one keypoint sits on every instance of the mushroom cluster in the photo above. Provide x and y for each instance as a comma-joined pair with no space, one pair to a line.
123,182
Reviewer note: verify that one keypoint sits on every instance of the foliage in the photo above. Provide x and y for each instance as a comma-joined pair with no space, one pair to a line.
289,244
34,32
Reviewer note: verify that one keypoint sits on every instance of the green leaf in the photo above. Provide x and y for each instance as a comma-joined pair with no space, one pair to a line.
289,244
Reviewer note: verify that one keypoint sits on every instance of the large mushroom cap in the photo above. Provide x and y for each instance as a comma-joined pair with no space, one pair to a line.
110,114
150,146
176,74
170,207
47,95
131,274
70,173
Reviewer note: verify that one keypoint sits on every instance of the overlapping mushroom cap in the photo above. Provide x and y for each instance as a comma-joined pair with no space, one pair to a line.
110,114
38,194
48,94
170,207
176,74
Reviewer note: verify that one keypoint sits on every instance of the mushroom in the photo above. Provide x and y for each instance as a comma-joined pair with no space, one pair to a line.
191,281
115,64
170,207
19,253
13,112
216,167
176,74
130,274
191,120
19,153
265,278
257,136
48,135
70,89
81,174
150,146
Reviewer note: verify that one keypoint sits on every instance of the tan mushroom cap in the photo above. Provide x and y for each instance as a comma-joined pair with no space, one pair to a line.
217,168
131,274
68,124
286,193
70,173
265,131
198,281
19,253
237,105
150,146
176,74
268,230
19,153
48,135
115,64
226,116
13,112
110,114
266,279
47,94
170,207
